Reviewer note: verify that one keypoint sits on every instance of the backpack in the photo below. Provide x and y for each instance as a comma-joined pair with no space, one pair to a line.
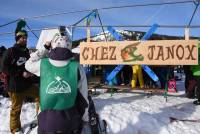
172,86
4,77
4,80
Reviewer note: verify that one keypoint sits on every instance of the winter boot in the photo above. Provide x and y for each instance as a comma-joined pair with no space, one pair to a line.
19,131
196,102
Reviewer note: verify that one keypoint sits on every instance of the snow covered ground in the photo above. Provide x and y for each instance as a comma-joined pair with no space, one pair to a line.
128,113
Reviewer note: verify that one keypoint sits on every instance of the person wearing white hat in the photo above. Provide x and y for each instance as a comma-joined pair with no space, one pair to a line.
63,87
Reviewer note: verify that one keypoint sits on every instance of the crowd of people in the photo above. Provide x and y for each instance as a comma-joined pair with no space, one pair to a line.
54,79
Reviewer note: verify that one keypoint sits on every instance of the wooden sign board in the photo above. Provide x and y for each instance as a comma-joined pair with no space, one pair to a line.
157,52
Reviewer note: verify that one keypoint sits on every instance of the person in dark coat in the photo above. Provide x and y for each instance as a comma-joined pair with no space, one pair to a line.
20,84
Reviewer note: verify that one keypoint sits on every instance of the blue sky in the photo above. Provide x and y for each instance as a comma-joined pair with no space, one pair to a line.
163,15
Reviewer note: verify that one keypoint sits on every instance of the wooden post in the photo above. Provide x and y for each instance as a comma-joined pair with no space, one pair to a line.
187,33
88,33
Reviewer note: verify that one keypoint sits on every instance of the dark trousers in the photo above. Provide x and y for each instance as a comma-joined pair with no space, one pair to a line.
59,122
197,87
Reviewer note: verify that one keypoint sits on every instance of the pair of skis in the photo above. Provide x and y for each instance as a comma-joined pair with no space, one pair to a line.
96,126
173,119
119,38
144,67
31,127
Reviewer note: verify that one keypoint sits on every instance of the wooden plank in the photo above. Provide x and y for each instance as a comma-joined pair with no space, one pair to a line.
158,52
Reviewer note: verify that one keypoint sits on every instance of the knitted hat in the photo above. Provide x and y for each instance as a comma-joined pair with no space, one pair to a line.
19,31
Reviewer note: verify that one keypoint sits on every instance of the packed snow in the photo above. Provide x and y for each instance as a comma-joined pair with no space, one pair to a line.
128,113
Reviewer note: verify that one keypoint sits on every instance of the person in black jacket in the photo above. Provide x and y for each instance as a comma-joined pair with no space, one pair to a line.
20,84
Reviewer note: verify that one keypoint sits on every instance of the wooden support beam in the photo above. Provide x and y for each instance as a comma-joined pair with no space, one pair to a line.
88,33
187,33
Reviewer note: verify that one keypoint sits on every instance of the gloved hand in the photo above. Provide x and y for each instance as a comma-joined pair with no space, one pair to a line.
27,74
47,45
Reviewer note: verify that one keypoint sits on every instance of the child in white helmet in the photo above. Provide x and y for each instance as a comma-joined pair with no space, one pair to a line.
63,87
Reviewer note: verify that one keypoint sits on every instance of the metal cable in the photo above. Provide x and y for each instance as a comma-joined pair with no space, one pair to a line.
32,31
107,8
75,24
119,26
101,25
151,4
55,14
82,18
197,5
9,23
